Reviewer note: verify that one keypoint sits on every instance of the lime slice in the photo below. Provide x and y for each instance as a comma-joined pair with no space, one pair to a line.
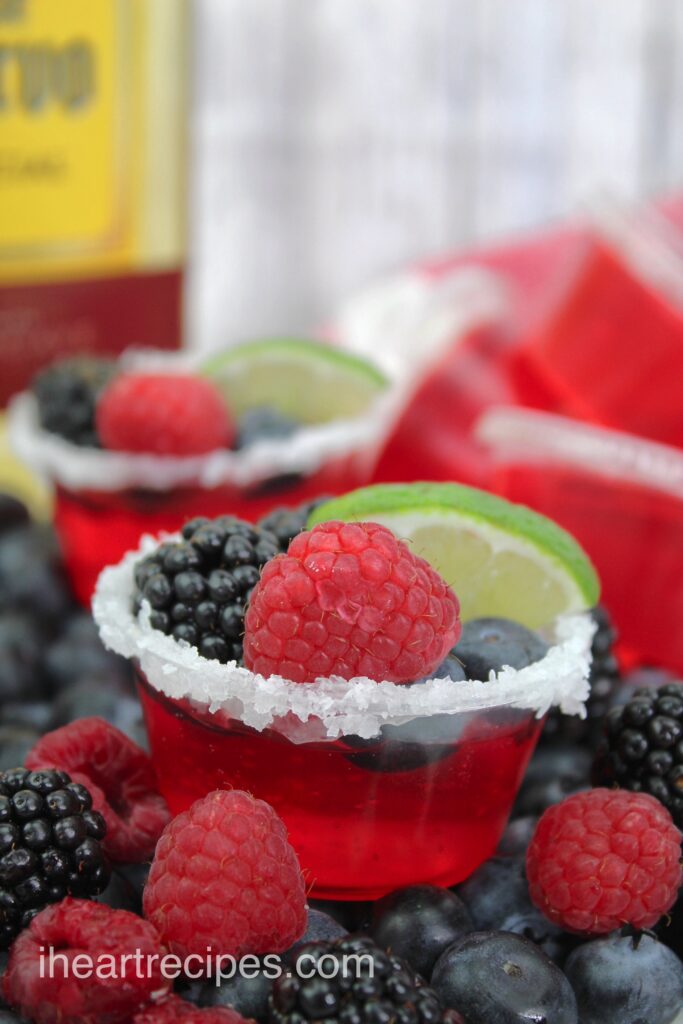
306,380
500,559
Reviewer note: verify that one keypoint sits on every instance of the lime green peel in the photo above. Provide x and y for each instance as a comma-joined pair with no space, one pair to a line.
501,559
309,381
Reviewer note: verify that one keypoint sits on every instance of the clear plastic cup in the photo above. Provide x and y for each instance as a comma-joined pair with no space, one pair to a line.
621,497
105,501
379,785
609,349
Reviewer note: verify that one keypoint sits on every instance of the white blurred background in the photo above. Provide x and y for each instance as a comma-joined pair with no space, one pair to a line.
334,140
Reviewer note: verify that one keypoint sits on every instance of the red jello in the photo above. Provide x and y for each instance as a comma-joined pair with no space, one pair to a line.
610,348
365,816
622,498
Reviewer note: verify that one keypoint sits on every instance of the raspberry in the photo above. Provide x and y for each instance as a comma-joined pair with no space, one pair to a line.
175,1010
349,599
49,845
605,858
49,993
120,777
224,876
165,414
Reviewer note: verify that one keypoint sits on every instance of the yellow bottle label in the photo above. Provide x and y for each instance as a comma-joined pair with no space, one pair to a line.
58,103
91,114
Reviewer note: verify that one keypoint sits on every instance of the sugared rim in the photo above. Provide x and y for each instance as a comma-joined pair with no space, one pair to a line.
532,435
358,706
77,468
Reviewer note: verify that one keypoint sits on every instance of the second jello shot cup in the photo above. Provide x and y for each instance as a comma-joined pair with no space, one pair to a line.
380,676
143,444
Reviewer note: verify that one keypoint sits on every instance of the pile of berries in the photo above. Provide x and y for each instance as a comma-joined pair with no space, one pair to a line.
93,403
342,599
576,917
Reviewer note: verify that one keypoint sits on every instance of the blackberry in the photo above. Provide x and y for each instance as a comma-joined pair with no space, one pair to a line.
604,681
286,523
49,845
355,983
198,587
642,748
67,394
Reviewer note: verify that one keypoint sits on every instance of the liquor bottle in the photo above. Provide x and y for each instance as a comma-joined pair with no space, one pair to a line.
92,177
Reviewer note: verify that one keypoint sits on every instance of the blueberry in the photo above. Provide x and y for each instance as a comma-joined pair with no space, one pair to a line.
319,927
488,645
21,642
101,697
79,654
248,996
32,714
135,875
500,978
450,668
31,577
263,423
352,916
621,980
496,891
121,895
536,927
419,923
15,743
517,836
416,744
554,773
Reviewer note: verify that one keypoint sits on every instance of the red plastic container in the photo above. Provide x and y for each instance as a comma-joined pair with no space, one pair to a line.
610,348
433,438
622,498
351,805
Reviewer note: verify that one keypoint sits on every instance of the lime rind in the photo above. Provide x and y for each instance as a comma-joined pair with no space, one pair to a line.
301,348
480,507
306,380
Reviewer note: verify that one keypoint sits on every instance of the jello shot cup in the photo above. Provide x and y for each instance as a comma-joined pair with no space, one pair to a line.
105,500
608,347
380,784
621,497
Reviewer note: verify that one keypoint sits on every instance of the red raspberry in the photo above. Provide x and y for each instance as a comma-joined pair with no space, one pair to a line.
52,993
224,876
166,414
349,599
175,1010
603,859
121,780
